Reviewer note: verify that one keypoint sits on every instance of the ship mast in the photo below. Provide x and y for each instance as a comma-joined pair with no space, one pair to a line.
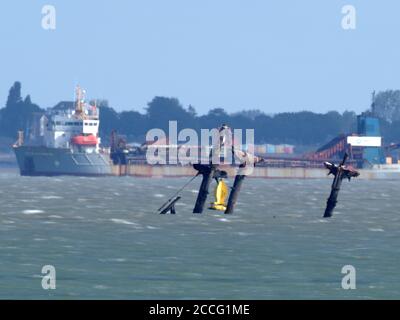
80,102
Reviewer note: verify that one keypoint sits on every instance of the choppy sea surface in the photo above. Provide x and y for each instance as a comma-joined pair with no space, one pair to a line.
106,240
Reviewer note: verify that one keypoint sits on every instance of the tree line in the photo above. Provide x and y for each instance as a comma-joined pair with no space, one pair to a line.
298,128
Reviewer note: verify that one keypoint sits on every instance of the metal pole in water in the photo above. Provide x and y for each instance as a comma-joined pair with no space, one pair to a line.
233,196
332,200
340,172
207,171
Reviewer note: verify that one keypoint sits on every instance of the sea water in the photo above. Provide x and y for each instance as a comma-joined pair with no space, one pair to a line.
106,240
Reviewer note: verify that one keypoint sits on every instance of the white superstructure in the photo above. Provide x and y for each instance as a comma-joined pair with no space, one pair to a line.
76,129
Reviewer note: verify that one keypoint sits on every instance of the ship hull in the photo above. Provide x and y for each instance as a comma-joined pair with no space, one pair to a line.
43,161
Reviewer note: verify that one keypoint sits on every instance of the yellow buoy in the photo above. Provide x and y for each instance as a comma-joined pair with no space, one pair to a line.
221,193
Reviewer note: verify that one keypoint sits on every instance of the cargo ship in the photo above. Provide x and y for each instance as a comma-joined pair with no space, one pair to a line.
68,144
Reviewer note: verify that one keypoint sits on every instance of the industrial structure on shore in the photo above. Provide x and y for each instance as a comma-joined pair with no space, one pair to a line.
364,147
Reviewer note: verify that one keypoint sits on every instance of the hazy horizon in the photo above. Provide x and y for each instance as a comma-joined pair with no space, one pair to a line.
276,56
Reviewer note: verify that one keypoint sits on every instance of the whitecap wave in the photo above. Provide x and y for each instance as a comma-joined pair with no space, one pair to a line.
376,229
32,211
51,197
122,221
159,195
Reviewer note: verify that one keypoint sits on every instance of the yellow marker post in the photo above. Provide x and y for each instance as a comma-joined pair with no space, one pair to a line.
221,193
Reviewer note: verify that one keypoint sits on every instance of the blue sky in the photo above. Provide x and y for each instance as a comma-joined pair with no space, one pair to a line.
272,55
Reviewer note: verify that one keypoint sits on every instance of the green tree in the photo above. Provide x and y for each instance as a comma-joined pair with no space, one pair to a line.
387,105
17,112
